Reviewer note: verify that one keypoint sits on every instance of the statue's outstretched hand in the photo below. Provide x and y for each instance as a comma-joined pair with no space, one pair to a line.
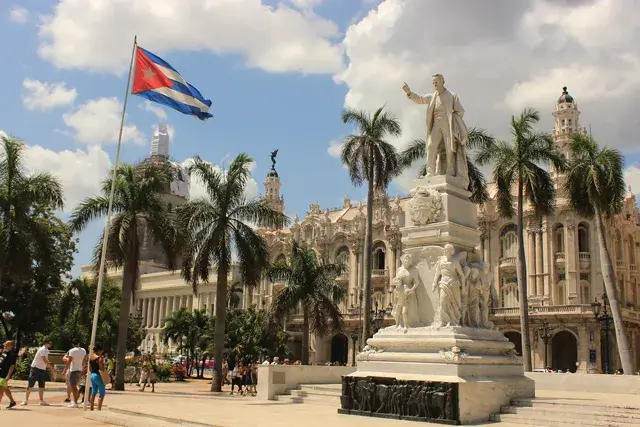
405,88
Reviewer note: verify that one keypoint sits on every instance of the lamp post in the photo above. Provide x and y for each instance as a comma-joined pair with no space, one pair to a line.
601,311
544,333
377,318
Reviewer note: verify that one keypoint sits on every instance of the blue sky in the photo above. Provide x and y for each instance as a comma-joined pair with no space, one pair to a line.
279,76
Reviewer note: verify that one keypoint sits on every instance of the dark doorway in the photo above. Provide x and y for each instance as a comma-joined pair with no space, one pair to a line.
340,349
564,352
516,339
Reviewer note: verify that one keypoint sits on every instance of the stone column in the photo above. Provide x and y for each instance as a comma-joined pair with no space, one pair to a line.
547,259
583,349
539,268
163,305
486,249
158,311
392,264
176,303
154,311
358,277
571,256
190,306
530,262
145,305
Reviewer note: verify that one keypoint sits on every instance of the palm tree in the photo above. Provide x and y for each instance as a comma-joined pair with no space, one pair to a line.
312,285
595,187
21,232
369,157
518,165
233,295
213,228
138,208
176,328
478,139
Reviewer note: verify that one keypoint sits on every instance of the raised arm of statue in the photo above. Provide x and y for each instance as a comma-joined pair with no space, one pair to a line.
418,99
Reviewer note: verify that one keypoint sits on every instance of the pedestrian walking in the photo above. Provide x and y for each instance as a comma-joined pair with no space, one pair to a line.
75,361
98,375
8,359
38,373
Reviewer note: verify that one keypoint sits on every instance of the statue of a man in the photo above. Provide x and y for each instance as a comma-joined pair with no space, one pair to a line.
449,286
446,131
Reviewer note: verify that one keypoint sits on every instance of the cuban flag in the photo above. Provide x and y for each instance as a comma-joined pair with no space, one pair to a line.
157,81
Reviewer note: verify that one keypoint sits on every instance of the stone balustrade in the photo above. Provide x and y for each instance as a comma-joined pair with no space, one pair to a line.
545,309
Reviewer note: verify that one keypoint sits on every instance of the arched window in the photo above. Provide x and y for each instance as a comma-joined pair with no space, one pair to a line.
619,247
583,239
379,258
508,242
632,251
342,256
559,238
308,232
509,292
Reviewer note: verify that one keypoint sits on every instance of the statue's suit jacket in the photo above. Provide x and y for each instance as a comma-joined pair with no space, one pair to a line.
455,112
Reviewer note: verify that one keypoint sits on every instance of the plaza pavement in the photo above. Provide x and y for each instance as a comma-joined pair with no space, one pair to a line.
191,404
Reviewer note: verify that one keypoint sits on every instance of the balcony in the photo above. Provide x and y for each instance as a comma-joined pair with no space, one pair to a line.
580,309
343,278
379,272
508,265
620,265
561,260
633,268
585,260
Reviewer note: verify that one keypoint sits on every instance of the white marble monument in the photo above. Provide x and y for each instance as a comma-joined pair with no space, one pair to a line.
443,353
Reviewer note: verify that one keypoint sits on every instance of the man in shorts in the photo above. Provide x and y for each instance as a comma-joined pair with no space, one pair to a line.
7,363
75,361
38,373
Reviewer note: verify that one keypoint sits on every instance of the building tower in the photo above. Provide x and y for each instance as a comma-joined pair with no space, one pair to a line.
272,197
566,121
175,195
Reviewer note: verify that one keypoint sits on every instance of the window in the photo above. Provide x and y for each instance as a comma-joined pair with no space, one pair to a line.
508,242
379,257
619,247
342,256
509,290
559,239
586,293
583,239
308,233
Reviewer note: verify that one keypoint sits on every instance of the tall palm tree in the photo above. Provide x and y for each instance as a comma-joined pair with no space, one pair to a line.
138,208
478,139
233,295
521,165
213,228
595,187
21,232
369,157
311,284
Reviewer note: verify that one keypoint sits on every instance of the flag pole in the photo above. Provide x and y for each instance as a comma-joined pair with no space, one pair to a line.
105,236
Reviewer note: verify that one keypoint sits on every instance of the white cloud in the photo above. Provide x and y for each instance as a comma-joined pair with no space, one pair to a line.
274,38
46,96
632,178
80,172
19,14
306,4
500,63
335,148
155,109
197,188
98,121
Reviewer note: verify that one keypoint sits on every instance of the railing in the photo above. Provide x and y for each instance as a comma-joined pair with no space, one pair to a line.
584,256
620,264
545,309
508,262
560,257
633,268
379,272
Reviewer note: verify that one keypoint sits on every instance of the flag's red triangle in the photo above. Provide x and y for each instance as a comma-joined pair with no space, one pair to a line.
147,75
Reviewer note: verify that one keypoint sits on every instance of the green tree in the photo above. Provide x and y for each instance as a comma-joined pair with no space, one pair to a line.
234,294
479,139
213,228
369,157
595,187
311,284
186,328
518,166
252,334
138,207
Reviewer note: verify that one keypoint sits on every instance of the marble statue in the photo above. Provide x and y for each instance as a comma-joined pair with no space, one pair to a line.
449,286
415,306
426,205
485,297
446,134
401,294
474,295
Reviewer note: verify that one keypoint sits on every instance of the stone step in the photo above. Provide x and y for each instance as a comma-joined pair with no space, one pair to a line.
332,388
574,405
288,398
315,392
557,420
573,413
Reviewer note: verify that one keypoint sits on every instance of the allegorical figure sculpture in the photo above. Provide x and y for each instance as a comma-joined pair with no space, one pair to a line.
474,296
401,295
446,131
449,286
274,154
416,296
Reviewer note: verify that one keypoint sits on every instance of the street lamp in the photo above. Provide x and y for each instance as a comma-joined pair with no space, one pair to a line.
601,311
544,333
377,317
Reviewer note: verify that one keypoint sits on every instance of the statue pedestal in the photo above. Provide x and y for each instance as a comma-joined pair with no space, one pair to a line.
451,374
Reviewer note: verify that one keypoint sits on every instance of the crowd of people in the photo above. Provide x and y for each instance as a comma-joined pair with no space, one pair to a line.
41,370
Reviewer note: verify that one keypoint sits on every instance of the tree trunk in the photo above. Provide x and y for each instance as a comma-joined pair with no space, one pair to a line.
128,281
219,332
609,279
521,274
368,248
305,334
